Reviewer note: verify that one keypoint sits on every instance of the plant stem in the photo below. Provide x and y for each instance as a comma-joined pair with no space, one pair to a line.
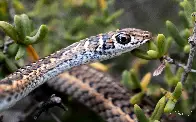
32,53
172,61
192,42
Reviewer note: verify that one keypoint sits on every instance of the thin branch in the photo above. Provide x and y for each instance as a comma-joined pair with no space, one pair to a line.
192,42
6,44
172,61
51,102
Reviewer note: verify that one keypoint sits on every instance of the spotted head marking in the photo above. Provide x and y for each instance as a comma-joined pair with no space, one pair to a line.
123,40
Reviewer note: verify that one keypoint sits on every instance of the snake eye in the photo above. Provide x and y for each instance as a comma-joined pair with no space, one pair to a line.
123,39
146,36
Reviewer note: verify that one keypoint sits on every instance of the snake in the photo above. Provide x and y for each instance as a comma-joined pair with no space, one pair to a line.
98,91
92,87
101,47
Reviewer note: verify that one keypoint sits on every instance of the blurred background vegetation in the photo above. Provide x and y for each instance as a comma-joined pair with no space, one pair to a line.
69,21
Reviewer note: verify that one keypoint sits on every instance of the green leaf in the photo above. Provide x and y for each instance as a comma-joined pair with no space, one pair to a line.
140,114
168,44
184,20
161,44
175,33
26,24
141,54
169,107
187,48
40,35
10,65
156,121
21,52
134,79
177,91
186,33
153,54
2,57
179,73
126,79
9,30
12,50
175,96
188,9
152,46
158,111
136,99
23,26
19,27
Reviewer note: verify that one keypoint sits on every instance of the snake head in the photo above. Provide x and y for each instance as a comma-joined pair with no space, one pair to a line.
121,41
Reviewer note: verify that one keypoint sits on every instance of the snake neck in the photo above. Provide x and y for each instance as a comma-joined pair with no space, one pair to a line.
24,80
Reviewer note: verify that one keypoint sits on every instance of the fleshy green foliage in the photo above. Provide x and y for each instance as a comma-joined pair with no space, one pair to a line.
130,79
69,21
49,26
140,114
41,33
171,78
72,21
180,35
66,22
9,30
156,49
173,98
175,33
21,32
137,98
141,54
178,40
157,113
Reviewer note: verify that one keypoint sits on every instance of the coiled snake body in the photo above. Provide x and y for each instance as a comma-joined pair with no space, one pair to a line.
98,91
96,48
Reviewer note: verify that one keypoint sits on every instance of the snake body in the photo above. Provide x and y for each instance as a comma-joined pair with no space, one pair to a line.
93,88
99,92
96,90
96,48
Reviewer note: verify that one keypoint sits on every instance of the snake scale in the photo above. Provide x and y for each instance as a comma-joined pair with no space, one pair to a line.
95,48
98,91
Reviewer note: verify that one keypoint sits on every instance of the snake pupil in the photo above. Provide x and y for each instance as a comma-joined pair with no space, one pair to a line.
123,39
